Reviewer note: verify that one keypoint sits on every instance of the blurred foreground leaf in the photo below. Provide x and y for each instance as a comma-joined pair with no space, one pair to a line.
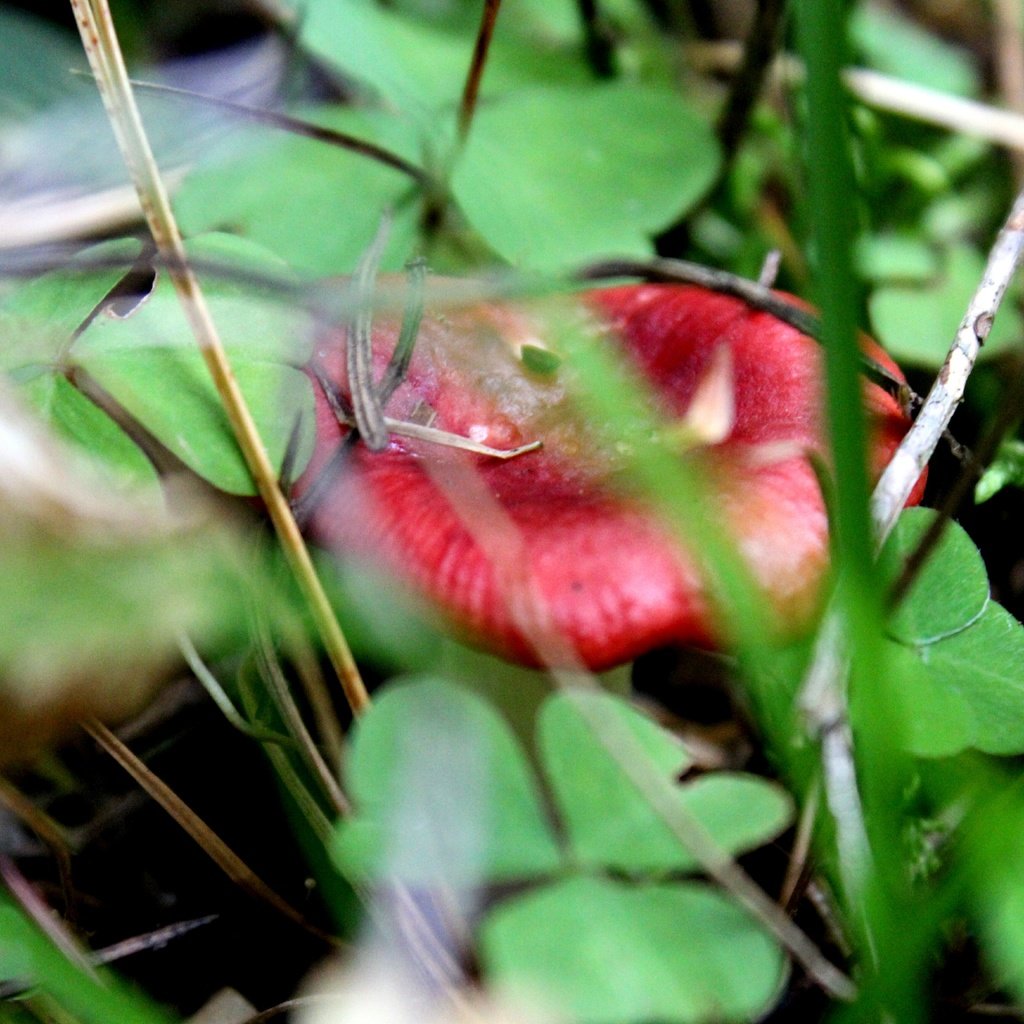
609,823
444,793
27,955
610,953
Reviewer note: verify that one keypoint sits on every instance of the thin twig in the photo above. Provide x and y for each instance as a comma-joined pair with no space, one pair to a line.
303,657
13,987
277,685
471,89
317,820
916,448
1007,415
49,832
398,365
823,698
894,95
99,38
366,403
217,694
208,841
822,701
405,428
801,852
297,126
758,53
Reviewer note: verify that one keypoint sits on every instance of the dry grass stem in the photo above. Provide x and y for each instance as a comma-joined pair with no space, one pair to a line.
208,841
100,41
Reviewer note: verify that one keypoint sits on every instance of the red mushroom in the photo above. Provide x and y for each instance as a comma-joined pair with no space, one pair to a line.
599,565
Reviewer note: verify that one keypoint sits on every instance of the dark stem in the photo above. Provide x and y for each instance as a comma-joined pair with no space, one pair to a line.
598,42
297,126
759,50
471,89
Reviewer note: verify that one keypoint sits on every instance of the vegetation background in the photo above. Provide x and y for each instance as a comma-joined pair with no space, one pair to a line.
876,148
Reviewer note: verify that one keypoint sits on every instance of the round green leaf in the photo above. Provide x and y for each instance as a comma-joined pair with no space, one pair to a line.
555,176
936,720
443,793
608,953
316,206
150,363
419,66
984,666
894,257
950,592
917,324
609,822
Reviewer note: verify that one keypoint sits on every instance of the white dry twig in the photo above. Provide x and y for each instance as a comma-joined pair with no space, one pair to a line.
884,92
947,392
823,698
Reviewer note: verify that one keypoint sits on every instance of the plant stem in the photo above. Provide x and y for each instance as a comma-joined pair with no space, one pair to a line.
208,841
96,28
471,90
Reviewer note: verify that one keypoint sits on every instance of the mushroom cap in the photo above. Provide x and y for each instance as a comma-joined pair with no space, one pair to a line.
544,557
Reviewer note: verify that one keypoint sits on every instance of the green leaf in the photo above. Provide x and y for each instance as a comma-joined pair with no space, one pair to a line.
555,176
936,720
608,821
150,363
960,676
78,420
900,47
26,953
384,624
917,325
35,63
38,320
992,863
420,67
316,206
1006,470
950,592
91,625
443,793
608,953
984,666
900,258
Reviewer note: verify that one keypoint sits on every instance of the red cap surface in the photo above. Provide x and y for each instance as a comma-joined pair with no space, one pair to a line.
543,546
